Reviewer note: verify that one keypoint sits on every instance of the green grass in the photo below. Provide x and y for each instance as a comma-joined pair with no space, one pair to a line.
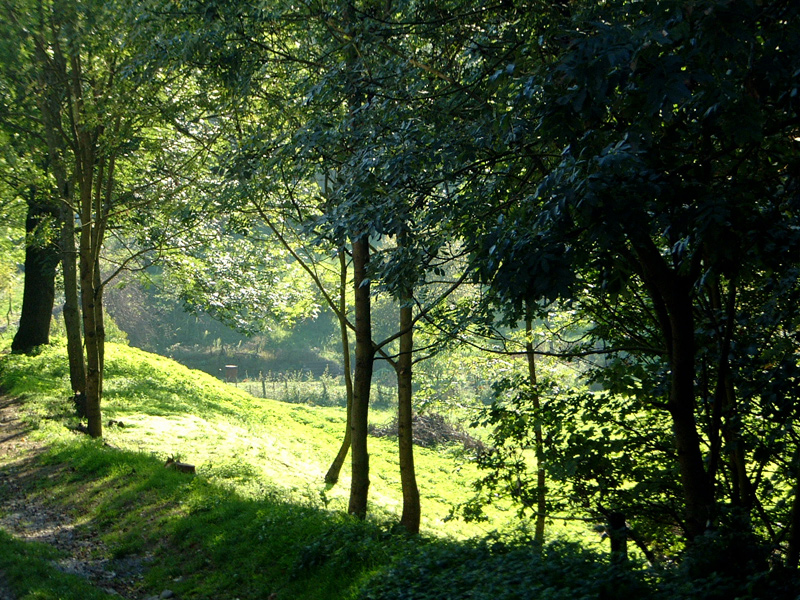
257,516
216,542
30,572
249,443
256,523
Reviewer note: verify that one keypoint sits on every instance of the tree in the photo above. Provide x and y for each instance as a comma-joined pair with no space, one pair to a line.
29,175
41,259
669,201
94,112
372,124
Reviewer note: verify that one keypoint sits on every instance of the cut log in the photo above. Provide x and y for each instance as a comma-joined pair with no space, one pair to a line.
179,466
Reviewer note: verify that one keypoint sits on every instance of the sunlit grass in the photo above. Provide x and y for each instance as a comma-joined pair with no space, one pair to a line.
248,443
256,520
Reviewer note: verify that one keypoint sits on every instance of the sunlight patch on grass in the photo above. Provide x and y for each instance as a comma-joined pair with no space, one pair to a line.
249,443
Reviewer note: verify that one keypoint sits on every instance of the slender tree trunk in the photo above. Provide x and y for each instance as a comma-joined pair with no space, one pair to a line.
410,518
725,407
332,476
88,258
90,329
793,552
541,491
100,324
365,354
72,315
41,259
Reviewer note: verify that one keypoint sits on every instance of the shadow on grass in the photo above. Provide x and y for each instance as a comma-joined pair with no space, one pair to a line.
30,572
210,542
203,540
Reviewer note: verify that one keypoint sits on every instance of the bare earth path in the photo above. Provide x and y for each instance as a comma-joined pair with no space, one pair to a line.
29,517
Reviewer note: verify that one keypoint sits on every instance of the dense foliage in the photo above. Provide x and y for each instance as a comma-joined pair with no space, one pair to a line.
613,182
669,218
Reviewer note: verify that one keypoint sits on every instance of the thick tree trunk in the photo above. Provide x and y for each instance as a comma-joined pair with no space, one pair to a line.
410,518
365,354
672,297
332,476
617,532
696,488
41,259
541,491
51,77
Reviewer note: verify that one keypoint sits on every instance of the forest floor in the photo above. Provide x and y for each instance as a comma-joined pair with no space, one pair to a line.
26,514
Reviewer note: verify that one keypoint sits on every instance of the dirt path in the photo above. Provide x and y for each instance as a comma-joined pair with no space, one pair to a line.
29,517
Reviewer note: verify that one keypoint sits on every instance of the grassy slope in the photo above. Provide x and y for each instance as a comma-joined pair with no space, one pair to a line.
255,517
169,410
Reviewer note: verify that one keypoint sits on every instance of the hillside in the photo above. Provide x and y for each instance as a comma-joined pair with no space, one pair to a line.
163,409
84,519
257,498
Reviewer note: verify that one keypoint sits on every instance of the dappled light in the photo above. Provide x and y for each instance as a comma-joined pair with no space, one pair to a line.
439,299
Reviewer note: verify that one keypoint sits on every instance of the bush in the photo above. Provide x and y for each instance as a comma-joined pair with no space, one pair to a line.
486,571
728,565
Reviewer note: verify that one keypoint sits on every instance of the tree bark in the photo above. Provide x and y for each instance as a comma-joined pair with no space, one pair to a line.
100,324
411,516
617,532
52,74
696,488
364,354
725,407
332,476
672,296
72,315
541,491
41,259
89,175
89,314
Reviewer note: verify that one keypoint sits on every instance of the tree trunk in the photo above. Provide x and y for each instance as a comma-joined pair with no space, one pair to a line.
89,313
725,406
365,354
672,297
41,259
88,258
100,324
541,491
793,552
410,518
52,74
696,488
72,315
617,532
332,476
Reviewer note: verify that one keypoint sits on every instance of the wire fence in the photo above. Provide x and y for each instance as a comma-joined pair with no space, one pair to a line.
302,387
